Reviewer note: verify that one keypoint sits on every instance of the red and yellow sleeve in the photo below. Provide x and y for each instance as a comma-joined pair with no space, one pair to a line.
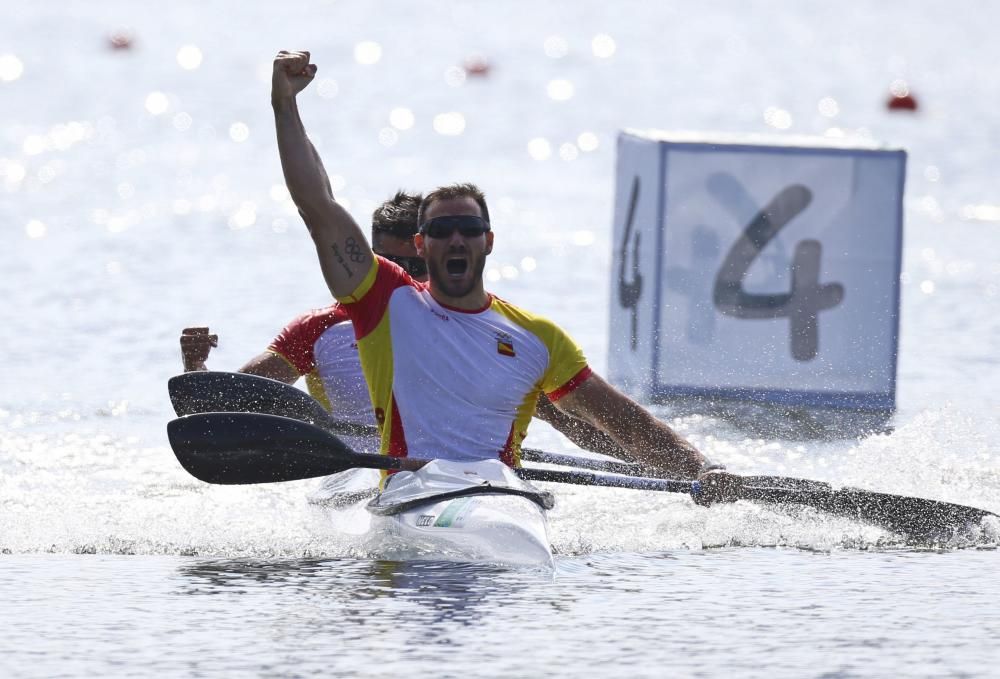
367,304
568,367
296,341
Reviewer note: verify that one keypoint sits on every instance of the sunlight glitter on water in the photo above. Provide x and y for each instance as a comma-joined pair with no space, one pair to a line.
189,57
136,208
11,68
449,124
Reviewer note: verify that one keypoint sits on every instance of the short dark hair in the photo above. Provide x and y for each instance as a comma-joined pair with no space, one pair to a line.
397,216
465,190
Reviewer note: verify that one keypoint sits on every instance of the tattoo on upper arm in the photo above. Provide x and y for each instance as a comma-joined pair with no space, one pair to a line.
340,258
354,252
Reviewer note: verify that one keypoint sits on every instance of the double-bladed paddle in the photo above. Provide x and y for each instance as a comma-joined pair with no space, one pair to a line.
244,448
218,392
247,448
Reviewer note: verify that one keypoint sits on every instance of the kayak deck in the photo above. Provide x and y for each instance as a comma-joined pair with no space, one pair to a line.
463,512
500,529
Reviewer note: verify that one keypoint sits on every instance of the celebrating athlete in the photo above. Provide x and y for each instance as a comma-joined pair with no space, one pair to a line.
453,371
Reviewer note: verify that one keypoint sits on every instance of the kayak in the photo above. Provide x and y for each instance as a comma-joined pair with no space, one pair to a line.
473,512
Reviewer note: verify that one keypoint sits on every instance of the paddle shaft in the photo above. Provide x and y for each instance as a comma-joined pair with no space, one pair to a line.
588,479
242,448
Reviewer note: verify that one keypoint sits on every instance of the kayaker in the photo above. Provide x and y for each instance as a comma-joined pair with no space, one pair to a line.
319,345
454,372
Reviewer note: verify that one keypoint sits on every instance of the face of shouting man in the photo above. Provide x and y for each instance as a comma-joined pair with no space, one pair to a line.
455,240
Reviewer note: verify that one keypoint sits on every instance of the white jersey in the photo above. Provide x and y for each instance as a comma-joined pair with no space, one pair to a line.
455,384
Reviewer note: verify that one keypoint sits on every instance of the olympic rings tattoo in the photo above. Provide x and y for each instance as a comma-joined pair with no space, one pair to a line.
354,251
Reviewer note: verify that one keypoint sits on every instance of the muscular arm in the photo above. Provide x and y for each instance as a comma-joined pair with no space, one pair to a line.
344,255
197,342
578,431
272,366
644,437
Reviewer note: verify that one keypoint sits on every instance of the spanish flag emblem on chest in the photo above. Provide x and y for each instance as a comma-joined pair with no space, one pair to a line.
505,347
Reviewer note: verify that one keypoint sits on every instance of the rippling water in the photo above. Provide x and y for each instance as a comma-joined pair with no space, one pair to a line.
140,192
743,612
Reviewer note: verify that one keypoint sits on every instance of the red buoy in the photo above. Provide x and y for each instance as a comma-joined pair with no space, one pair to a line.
120,40
476,66
900,97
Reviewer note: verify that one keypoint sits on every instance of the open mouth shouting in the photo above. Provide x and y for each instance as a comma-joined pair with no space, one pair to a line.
456,266
457,273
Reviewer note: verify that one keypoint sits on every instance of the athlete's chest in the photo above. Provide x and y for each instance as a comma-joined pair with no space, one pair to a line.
481,352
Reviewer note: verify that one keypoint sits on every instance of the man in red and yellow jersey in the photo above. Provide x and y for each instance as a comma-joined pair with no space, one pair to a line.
453,371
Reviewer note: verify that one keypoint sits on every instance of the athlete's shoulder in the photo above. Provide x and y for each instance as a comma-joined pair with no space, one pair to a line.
367,305
382,278
566,358
535,323
321,318
295,341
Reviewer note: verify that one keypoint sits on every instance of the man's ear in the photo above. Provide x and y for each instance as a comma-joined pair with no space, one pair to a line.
489,242
418,243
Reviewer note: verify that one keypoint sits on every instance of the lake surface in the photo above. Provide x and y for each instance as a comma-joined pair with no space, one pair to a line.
140,192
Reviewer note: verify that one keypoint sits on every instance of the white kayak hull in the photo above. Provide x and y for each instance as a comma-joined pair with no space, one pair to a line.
499,529
447,511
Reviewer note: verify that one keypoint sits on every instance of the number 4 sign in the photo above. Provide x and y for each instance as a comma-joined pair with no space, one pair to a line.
766,272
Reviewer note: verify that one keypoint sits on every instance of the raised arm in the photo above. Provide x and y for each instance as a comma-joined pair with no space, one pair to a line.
344,254
196,344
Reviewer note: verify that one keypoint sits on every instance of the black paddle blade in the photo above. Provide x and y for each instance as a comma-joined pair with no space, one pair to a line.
217,392
914,517
241,448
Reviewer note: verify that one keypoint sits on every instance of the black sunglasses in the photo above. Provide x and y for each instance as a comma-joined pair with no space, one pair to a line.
444,227
415,266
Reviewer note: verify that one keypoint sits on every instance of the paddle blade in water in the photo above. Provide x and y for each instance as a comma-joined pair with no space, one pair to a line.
917,518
